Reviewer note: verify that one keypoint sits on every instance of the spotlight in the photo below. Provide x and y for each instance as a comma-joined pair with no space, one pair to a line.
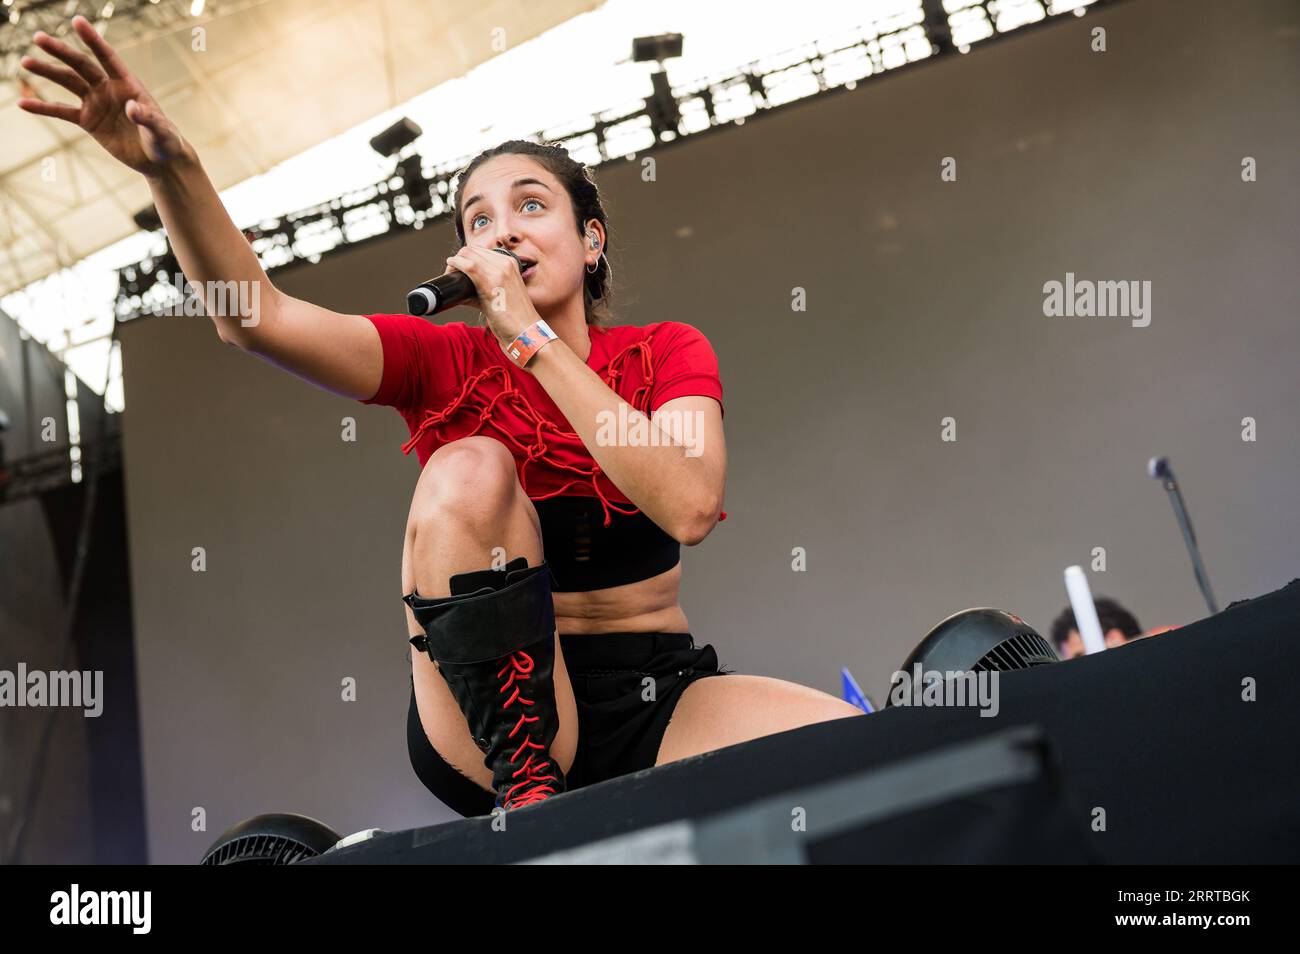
147,219
396,137
656,48
664,115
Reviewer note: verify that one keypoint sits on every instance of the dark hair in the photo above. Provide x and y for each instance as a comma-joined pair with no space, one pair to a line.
584,197
1109,612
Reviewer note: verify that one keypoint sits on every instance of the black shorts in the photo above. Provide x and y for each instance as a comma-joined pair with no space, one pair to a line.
620,720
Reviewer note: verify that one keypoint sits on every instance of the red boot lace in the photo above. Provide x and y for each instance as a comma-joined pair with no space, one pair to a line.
533,786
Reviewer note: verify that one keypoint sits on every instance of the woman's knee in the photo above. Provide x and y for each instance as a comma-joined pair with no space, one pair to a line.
473,478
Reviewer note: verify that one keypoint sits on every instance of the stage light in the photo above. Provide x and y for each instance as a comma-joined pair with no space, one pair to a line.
147,219
656,48
396,137
662,105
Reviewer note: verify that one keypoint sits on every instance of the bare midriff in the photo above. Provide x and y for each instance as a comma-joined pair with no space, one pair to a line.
647,606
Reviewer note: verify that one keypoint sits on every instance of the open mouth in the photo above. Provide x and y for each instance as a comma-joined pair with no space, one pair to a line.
530,267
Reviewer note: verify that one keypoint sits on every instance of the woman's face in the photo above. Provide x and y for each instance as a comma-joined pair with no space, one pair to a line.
534,219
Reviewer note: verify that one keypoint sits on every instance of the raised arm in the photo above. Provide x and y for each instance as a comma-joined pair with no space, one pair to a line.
337,352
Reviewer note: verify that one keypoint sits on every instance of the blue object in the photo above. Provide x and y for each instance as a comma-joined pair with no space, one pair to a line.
853,692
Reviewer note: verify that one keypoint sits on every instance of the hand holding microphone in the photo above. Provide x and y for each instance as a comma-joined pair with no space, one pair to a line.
496,287
453,287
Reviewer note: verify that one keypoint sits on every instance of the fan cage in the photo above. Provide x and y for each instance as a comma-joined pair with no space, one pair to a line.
1022,651
261,850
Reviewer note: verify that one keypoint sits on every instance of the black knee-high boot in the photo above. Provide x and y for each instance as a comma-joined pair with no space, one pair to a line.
494,642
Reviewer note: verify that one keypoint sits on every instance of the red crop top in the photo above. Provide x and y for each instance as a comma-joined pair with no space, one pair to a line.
452,380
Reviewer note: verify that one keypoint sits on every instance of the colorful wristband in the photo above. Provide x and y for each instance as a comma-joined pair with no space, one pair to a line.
529,341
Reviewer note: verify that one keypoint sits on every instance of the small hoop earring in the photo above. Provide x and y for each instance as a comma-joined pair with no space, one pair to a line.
592,269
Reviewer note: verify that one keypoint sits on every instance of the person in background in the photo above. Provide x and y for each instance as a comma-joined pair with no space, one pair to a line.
1118,627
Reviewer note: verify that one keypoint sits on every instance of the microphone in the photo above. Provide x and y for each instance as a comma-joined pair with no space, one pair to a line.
439,294
1158,468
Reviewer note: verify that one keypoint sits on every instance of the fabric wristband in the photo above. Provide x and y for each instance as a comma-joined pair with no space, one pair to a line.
529,341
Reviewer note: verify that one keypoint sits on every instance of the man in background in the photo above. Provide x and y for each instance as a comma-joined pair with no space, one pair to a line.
1118,626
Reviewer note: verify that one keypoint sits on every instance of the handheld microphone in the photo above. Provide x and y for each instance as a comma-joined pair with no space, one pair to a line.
439,294
1159,469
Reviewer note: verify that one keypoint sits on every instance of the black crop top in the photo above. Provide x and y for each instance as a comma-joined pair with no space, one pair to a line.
583,554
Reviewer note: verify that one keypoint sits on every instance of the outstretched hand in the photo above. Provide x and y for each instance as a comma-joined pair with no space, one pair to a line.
115,109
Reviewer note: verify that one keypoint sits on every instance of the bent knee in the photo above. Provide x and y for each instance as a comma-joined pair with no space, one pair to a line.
473,477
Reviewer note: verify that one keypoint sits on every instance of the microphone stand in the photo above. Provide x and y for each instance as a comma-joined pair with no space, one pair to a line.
1159,469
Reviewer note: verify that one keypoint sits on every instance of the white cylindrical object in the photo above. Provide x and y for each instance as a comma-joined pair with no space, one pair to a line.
1085,611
